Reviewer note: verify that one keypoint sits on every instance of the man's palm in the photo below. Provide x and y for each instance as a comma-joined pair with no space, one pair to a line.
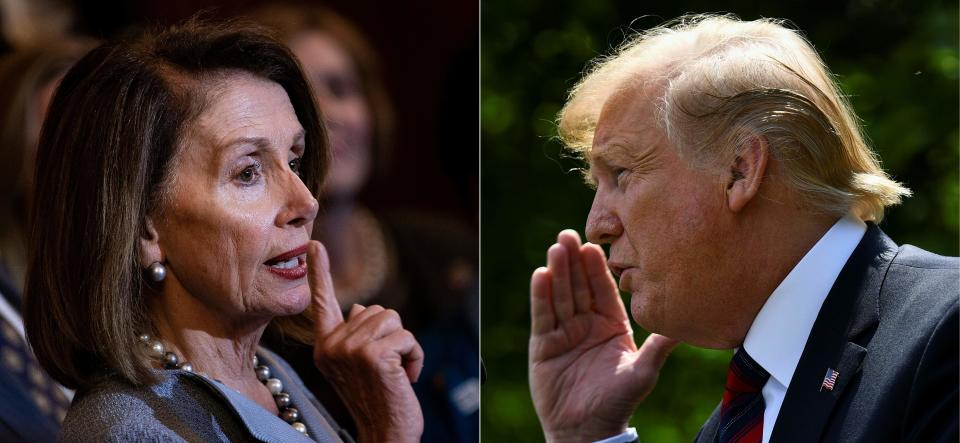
586,373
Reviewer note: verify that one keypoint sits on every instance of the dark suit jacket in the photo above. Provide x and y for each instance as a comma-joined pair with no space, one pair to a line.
889,326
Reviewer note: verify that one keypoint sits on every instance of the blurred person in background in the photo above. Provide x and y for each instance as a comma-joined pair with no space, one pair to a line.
31,404
179,171
27,23
30,76
421,265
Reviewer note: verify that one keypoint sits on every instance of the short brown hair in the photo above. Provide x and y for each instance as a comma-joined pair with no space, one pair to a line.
105,152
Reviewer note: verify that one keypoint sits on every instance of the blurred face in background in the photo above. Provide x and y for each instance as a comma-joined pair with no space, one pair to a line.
343,103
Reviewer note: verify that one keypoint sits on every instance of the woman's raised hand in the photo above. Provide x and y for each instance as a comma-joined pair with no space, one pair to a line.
369,358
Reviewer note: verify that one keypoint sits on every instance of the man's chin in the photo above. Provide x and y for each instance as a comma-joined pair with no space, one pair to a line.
644,314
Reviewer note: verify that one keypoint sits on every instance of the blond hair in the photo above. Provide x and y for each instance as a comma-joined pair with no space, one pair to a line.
723,80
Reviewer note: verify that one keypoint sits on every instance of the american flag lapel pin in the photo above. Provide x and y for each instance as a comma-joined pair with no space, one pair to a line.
829,380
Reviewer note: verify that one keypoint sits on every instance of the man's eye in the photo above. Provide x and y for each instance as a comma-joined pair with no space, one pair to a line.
620,174
295,166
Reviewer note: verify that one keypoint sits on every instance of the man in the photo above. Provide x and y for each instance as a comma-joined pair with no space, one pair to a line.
740,204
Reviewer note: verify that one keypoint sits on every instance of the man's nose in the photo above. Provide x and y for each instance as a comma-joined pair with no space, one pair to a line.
603,224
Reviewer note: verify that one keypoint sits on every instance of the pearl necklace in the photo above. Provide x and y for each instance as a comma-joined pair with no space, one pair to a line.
288,412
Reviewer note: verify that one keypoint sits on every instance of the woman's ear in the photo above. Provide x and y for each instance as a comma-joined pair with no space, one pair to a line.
149,244
746,172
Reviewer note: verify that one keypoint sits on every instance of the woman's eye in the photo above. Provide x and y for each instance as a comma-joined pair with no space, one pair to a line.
249,175
295,166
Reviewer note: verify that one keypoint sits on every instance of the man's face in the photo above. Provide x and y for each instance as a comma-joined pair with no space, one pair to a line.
664,222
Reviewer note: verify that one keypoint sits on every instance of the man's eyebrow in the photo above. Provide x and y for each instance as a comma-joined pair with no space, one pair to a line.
595,158
604,153
596,162
608,155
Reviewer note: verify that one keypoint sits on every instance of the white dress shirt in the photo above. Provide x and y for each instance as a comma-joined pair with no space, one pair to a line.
779,332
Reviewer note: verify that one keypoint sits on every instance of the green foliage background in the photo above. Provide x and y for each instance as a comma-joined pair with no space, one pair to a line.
898,60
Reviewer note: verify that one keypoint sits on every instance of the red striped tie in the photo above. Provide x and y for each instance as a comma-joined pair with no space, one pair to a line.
741,413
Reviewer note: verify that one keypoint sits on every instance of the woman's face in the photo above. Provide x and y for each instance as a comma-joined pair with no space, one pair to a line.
342,101
237,219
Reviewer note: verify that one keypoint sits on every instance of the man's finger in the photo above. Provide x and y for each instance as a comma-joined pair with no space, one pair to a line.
606,297
655,350
559,265
542,319
578,280
325,306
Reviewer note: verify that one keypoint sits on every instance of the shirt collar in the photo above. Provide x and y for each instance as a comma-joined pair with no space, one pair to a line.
779,332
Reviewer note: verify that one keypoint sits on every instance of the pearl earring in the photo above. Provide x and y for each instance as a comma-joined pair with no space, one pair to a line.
157,271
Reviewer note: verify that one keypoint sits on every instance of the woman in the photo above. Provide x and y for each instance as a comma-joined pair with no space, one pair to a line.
176,178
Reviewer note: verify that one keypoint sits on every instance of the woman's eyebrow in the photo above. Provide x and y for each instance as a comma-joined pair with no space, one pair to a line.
260,143
299,137
263,142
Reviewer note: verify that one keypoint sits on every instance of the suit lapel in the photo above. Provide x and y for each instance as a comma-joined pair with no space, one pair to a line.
848,314
708,432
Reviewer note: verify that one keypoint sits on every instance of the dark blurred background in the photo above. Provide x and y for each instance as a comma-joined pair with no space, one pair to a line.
897,60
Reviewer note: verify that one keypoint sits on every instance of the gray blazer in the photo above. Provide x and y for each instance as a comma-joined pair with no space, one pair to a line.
185,406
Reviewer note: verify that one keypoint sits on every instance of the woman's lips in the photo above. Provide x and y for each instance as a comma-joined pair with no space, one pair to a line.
289,254
290,265
295,272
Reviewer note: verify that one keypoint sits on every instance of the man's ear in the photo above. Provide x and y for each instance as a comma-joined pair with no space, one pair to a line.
149,244
746,172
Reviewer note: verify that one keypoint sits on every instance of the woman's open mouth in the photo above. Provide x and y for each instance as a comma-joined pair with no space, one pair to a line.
291,265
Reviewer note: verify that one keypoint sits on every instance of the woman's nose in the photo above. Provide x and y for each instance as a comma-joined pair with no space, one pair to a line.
603,225
300,205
